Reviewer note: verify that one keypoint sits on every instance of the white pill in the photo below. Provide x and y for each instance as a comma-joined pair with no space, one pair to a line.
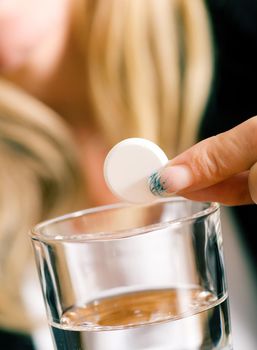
128,166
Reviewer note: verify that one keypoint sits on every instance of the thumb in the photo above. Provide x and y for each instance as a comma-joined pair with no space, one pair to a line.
209,162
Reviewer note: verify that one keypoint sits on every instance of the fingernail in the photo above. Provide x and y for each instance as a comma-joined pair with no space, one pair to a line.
170,180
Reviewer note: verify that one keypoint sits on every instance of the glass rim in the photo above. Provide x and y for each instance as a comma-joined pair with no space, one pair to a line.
36,231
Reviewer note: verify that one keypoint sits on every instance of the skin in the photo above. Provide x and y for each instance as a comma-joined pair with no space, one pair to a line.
222,168
38,53
25,25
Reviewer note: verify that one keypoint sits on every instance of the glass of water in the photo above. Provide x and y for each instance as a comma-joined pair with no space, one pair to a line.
135,277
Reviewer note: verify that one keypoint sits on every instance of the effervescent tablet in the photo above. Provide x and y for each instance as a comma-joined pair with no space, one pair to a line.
128,166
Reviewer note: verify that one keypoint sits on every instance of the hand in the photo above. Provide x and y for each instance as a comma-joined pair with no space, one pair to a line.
222,168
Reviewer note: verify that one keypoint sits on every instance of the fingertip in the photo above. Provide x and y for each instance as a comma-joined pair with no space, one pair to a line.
170,180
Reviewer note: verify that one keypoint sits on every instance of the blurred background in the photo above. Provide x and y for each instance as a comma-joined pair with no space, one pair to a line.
77,76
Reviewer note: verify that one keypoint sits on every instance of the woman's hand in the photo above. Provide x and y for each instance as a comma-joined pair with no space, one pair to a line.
222,168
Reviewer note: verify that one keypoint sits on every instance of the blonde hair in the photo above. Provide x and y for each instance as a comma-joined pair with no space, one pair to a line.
39,178
147,72
149,68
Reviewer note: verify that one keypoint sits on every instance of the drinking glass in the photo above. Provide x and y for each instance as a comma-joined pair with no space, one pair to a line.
135,277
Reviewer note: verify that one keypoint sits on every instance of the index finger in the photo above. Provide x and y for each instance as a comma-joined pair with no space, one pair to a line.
212,160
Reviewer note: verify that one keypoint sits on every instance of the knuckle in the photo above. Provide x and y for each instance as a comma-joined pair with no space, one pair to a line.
209,163
252,127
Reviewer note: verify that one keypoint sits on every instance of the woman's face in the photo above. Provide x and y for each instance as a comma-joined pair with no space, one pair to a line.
24,24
